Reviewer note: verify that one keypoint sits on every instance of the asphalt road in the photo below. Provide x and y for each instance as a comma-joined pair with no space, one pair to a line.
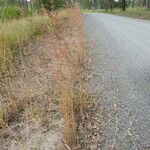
121,62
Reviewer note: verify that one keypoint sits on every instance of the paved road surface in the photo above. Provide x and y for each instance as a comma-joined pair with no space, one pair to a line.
121,58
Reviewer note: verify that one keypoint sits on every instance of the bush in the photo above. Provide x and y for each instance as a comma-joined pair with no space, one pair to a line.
49,5
10,12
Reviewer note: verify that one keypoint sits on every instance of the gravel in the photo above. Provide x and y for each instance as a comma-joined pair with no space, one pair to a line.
121,64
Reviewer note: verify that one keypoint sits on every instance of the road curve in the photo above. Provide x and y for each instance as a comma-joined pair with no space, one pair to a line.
121,60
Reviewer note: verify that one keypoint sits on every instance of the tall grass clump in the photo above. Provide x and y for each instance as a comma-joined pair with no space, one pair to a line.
13,35
10,12
72,66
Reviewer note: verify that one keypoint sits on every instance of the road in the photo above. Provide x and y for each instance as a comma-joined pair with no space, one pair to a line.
121,62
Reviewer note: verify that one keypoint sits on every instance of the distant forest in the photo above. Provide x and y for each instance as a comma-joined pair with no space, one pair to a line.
85,4
110,4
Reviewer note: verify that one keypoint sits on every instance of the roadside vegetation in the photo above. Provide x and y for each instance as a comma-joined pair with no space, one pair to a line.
130,8
134,13
44,73
10,12
15,34
130,12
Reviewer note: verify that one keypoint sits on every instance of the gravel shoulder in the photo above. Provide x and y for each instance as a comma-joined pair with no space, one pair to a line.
121,64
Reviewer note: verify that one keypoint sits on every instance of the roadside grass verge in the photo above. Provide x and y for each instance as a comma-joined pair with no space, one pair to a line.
134,13
48,88
14,34
72,71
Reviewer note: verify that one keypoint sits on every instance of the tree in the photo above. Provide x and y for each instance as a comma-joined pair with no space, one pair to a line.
111,4
133,3
50,4
148,4
87,4
123,5
95,4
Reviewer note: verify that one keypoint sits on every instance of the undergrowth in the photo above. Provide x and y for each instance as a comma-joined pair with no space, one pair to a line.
15,34
48,87
72,72
10,12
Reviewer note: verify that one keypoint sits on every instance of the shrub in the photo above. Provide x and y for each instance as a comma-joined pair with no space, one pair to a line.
49,5
10,12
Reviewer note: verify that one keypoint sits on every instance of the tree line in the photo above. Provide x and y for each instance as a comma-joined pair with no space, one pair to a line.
86,4
47,4
110,4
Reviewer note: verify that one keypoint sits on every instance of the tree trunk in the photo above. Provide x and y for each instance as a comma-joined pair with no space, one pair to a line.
148,4
106,5
95,4
133,3
123,5
111,5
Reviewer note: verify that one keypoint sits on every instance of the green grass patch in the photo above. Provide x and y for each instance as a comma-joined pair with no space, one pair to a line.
10,12
14,34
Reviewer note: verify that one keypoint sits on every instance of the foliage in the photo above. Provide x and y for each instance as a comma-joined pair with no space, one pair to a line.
87,4
109,4
49,4
10,12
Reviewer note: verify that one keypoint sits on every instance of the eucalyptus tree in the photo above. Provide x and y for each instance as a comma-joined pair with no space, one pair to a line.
148,4
123,5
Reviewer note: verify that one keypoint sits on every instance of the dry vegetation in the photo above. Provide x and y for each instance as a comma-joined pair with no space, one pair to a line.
15,34
45,91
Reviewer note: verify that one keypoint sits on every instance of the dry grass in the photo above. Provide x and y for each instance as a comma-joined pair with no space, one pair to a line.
15,34
29,102
72,70
48,76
